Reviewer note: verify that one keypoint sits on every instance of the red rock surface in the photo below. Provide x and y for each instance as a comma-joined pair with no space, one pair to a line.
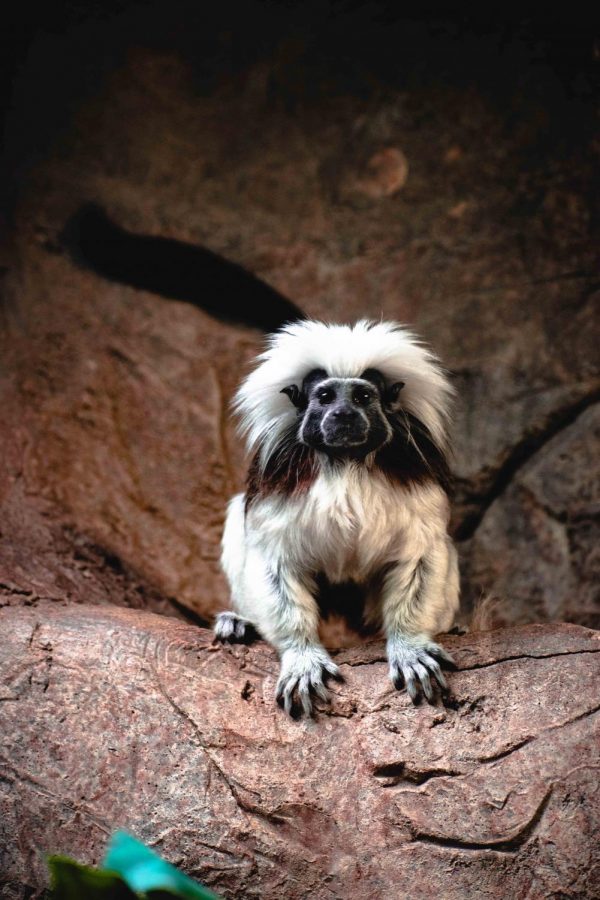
465,208
410,199
119,718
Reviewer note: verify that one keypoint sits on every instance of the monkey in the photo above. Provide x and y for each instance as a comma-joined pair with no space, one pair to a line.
347,428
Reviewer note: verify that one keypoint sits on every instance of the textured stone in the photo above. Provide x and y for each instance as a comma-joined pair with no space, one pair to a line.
537,547
119,718
115,427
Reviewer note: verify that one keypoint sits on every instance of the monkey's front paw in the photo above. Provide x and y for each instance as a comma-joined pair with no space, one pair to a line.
303,675
413,662
231,627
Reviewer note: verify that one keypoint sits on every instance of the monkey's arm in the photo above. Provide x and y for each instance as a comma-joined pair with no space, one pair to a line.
283,609
280,605
292,627
420,598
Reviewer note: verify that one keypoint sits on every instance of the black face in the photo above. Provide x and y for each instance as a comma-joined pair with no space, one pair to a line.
344,416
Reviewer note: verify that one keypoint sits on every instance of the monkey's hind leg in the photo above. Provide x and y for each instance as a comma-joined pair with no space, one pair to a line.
233,629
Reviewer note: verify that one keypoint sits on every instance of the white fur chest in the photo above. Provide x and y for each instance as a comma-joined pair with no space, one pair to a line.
350,523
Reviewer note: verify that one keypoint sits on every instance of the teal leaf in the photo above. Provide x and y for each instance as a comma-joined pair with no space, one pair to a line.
71,881
145,871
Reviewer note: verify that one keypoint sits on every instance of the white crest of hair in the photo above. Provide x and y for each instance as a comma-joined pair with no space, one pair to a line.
266,415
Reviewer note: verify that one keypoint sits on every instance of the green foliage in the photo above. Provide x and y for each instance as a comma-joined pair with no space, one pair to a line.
131,871
72,881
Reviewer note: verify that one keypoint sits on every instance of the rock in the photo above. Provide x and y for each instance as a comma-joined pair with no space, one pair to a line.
116,432
118,718
116,435
537,545
382,175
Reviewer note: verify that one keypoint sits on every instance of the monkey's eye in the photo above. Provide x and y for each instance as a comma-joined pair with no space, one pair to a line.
361,396
325,396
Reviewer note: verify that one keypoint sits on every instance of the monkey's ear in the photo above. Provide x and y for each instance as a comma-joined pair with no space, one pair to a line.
295,395
392,393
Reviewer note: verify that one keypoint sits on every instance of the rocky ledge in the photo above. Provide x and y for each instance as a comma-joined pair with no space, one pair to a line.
112,717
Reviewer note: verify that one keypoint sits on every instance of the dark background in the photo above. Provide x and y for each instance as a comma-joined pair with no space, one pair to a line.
57,55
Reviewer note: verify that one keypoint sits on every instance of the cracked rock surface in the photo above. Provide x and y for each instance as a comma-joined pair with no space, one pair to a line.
538,546
119,718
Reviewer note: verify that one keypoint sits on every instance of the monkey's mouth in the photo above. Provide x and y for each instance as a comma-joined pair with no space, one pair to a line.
345,435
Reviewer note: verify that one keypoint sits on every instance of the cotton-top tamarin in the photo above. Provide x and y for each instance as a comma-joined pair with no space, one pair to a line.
347,427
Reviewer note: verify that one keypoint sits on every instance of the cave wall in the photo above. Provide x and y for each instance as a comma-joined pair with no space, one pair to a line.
441,173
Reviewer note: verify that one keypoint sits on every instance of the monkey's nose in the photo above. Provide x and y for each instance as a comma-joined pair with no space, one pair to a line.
344,413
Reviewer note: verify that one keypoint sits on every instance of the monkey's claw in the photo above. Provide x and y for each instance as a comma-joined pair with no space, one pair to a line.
231,627
303,675
415,665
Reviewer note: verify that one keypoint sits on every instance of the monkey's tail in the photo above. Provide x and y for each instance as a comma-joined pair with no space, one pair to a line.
176,270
